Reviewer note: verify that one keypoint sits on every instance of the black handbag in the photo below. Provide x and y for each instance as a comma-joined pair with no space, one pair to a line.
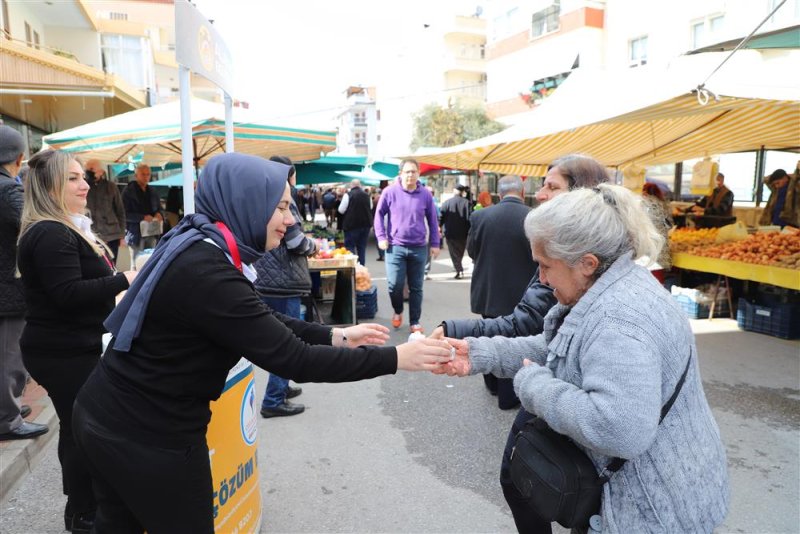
557,478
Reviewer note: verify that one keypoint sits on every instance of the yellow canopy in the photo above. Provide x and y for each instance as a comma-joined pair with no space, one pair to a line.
646,116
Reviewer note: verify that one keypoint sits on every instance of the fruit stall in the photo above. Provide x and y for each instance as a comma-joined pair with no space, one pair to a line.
771,259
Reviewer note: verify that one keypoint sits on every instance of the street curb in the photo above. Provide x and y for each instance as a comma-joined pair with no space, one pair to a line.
17,458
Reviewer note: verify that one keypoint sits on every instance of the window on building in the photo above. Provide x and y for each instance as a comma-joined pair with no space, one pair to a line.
28,38
36,40
637,51
546,20
503,26
707,31
129,57
698,34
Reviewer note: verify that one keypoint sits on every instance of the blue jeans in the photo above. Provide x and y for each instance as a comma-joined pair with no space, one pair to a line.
277,386
355,240
401,262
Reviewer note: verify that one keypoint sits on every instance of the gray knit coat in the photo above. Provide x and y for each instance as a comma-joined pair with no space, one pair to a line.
602,371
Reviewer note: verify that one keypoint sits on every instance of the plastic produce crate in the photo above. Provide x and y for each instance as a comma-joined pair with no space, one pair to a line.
696,310
779,320
367,303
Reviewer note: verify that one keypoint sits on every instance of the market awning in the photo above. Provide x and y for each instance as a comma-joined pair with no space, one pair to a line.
647,115
156,132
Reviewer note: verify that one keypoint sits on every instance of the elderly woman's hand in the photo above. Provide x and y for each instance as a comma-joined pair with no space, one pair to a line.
459,364
423,355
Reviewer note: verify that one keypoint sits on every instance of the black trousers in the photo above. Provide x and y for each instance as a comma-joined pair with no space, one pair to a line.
143,487
456,249
527,521
63,378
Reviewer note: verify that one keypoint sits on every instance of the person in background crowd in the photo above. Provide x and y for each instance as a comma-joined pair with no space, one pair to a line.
658,207
300,202
356,220
329,207
454,219
502,266
720,202
428,258
141,204
340,193
105,207
375,197
567,173
613,350
408,207
783,206
283,280
70,284
173,209
141,418
484,200
13,375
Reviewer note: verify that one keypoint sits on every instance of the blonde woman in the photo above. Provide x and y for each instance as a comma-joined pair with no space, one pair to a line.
70,284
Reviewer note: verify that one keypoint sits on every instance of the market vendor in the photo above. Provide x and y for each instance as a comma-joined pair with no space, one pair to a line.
719,202
783,206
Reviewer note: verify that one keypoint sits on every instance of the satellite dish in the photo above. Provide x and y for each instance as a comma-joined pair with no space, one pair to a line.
478,11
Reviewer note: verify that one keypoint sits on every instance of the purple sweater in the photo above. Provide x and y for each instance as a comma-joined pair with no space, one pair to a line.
407,211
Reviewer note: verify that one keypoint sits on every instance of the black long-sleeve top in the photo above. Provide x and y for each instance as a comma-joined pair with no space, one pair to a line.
69,291
202,317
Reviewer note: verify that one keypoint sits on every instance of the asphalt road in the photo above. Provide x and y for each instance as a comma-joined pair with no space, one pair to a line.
420,453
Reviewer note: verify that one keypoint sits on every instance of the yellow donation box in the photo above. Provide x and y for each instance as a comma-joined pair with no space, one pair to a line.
232,447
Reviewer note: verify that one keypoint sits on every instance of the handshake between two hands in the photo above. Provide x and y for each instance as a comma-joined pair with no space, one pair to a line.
437,354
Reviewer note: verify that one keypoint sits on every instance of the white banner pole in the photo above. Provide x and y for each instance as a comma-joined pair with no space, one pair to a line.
228,123
187,148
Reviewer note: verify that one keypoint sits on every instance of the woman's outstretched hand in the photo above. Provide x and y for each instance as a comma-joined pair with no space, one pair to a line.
459,364
362,334
423,355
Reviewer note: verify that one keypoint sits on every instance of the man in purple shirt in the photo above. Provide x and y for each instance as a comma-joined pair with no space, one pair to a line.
411,216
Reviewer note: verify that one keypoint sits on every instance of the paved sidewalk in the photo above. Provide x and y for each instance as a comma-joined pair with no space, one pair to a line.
17,457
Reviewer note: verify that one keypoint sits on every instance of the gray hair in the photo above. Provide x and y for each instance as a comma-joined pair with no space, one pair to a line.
607,221
509,184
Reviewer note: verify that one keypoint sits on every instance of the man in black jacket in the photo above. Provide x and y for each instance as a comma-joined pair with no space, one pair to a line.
503,266
283,280
454,219
356,220
12,301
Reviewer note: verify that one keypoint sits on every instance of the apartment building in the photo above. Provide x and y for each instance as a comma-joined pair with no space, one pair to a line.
443,64
358,123
64,63
533,46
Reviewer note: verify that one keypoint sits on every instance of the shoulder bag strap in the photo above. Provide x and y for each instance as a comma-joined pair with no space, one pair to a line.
231,242
617,463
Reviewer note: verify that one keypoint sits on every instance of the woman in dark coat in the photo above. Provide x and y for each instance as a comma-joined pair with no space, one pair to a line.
70,284
191,314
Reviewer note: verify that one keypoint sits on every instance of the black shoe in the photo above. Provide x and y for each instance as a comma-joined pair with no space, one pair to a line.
79,523
282,410
380,258
25,431
459,276
293,391
24,411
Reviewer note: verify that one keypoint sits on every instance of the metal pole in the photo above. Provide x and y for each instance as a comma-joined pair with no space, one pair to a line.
228,123
187,149
761,162
677,182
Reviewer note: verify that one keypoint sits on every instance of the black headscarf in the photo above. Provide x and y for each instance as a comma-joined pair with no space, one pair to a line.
239,190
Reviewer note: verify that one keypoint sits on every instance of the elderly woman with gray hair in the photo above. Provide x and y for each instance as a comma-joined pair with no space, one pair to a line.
612,352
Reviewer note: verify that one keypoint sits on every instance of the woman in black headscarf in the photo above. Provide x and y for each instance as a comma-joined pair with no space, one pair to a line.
190,315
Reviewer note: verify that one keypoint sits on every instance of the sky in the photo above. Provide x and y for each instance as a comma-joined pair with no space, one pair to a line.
293,59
